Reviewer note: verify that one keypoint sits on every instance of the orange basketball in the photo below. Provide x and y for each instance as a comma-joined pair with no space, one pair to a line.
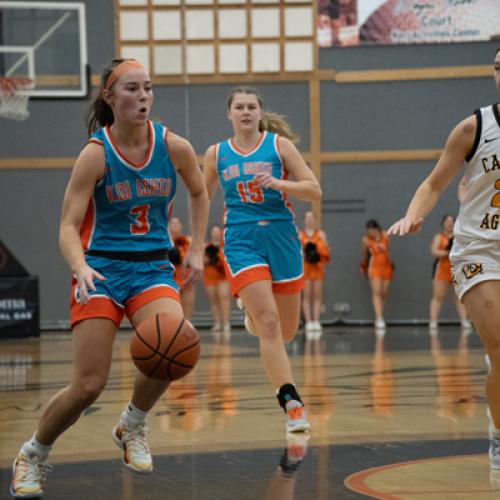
165,346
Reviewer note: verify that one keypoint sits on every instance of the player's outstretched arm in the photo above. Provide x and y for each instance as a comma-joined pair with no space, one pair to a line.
458,146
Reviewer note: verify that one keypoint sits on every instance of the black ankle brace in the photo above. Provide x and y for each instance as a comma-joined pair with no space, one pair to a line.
286,393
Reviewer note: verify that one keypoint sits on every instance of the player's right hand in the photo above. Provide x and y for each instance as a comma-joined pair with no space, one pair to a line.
192,267
406,225
85,276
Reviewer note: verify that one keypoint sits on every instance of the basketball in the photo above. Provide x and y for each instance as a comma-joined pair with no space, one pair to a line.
165,347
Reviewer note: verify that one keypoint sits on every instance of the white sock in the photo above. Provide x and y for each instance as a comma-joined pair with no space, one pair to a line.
34,449
132,416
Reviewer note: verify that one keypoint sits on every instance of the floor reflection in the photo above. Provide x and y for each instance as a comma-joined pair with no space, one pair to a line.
219,433
382,381
19,367
456,394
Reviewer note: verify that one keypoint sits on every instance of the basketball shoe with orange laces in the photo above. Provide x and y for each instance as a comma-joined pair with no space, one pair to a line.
296,417
28,477
132,440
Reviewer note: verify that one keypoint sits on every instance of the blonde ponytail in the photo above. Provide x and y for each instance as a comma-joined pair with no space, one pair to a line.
277,124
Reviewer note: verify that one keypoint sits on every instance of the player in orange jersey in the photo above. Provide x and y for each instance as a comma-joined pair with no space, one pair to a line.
375,262
441,275
177,254
216,283
316,255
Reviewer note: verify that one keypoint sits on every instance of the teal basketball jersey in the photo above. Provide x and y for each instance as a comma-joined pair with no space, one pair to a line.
244,201
130,206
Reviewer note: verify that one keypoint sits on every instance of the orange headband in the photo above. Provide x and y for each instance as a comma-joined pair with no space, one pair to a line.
123,67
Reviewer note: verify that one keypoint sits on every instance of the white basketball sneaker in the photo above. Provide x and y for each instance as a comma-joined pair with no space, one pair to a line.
296,417
28,477
494,453
132,440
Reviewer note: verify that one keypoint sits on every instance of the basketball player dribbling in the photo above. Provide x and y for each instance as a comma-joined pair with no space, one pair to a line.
120,190
261,244
475,254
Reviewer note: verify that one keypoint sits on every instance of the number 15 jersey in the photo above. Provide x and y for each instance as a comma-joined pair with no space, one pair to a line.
245,202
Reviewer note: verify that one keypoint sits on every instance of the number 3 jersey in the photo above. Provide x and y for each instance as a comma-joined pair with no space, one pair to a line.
246,202
130,206
479,215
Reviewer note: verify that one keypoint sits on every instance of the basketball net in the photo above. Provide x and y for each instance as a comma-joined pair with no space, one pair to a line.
14,98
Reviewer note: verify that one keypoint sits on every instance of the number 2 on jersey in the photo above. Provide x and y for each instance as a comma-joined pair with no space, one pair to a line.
495,201
141,224
249,192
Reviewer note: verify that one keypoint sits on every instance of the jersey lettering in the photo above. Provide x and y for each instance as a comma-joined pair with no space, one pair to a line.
231,172
118,192
490,163
152,187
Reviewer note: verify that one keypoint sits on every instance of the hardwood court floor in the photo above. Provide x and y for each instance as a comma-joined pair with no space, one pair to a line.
395,417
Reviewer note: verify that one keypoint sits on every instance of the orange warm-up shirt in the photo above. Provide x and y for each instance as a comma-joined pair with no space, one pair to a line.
442,267
315,271
214,274
380,265
183,243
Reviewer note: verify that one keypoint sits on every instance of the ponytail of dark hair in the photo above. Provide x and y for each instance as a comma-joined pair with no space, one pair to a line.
445,216
99,113
373,224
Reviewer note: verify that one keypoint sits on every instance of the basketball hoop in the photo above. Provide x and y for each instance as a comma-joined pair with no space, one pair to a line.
14,97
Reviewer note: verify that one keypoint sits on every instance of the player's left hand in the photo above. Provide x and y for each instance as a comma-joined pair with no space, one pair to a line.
405,226
192,267
266,180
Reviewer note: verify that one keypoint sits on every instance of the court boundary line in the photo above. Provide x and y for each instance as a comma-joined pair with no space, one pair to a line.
356,482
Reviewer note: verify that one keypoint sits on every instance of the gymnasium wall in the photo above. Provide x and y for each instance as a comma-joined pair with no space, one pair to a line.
369,116
382,116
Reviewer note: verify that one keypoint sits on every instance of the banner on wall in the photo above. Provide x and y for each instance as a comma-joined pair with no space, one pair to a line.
359,22
19,298
19,307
